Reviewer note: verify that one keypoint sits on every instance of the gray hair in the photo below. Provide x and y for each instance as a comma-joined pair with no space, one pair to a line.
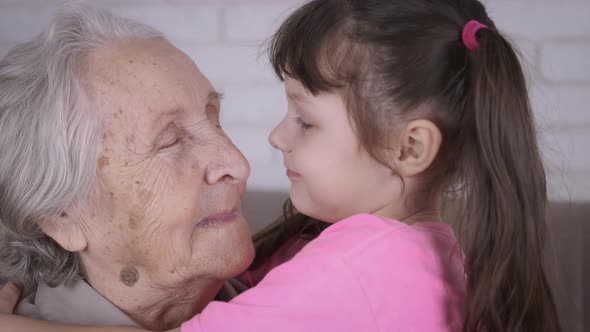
49,140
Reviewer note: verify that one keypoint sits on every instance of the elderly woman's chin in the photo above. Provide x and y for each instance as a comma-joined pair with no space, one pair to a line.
228,244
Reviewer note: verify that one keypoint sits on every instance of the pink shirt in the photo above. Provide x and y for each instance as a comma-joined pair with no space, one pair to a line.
363,273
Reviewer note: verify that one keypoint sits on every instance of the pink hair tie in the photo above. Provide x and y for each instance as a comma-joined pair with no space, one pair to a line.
469,34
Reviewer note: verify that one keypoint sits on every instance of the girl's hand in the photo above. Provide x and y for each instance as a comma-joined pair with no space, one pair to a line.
9,295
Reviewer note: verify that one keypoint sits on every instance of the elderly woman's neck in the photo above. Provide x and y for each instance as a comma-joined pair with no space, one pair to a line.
157,307
165,309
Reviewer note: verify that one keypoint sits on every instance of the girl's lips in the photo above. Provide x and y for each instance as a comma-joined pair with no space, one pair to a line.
293,175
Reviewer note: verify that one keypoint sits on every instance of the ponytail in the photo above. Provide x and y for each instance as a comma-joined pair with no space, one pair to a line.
504,217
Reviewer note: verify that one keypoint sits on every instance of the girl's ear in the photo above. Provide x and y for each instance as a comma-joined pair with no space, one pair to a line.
419,144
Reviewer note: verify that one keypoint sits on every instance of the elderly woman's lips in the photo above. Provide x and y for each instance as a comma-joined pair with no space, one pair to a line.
220,218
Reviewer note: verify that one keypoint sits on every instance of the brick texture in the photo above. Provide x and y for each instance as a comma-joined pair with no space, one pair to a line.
226,39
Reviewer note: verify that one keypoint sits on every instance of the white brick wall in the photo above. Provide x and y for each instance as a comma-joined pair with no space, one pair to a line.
225,38
565,61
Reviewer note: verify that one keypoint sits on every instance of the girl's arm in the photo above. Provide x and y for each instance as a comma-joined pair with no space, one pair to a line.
9,295
15,323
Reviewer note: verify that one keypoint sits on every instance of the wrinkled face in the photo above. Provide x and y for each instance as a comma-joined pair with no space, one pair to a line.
332,176
171,179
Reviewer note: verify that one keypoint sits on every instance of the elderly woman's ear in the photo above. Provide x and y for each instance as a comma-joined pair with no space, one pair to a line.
66,231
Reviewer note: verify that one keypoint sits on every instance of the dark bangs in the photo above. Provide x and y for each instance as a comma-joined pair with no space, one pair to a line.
315,46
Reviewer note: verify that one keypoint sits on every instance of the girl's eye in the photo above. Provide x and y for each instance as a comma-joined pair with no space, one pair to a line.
304,125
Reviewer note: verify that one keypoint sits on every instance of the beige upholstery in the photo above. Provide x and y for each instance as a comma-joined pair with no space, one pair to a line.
570,234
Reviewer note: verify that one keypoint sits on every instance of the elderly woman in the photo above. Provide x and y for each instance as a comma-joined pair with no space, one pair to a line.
118,188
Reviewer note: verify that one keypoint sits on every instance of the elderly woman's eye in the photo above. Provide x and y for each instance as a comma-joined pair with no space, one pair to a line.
172,143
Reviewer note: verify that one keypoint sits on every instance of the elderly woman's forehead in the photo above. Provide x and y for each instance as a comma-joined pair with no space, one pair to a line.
144,51
145,66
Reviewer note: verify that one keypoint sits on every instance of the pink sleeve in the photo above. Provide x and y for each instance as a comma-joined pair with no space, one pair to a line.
290,299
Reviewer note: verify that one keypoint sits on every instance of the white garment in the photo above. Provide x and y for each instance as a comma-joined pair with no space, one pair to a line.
79,303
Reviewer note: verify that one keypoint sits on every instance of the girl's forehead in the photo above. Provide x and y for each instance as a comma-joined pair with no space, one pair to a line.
296,91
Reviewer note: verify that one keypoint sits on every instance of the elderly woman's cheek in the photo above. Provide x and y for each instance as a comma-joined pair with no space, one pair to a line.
179,255
144,200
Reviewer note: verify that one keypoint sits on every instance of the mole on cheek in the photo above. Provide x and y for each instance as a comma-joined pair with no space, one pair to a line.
129,276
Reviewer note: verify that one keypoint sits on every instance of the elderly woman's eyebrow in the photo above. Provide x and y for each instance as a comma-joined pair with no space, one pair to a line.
213,97
167,114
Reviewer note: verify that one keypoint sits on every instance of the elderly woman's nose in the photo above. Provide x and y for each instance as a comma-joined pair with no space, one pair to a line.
228,164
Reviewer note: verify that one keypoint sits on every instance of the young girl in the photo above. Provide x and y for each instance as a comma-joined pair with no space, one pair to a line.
395,106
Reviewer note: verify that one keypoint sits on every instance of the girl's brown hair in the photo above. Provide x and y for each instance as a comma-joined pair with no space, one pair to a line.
389,59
